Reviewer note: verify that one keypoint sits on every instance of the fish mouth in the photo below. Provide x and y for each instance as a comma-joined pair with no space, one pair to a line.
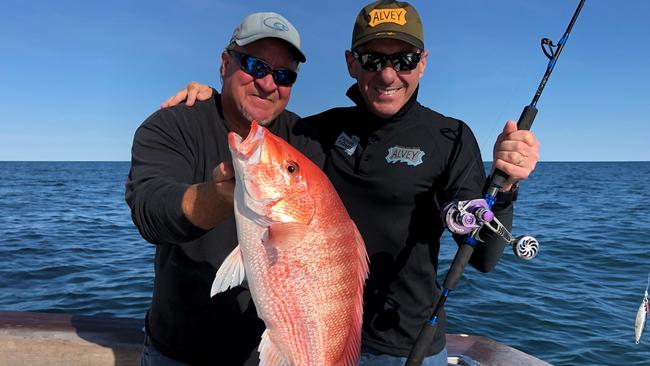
246,155
248,149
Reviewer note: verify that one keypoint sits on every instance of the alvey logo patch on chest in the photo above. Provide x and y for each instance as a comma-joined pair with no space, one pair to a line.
347,143
409,155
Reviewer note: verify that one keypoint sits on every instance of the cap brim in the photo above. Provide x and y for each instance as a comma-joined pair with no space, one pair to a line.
299,56
392,35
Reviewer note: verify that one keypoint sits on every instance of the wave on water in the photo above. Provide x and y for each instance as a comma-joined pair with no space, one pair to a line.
68,245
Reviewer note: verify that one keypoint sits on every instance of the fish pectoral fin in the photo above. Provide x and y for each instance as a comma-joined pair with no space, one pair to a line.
270,354
230,274
282,234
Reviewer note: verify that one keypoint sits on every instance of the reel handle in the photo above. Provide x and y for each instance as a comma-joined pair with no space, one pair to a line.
525,247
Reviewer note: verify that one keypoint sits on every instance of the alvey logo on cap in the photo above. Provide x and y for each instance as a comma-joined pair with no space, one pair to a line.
393,15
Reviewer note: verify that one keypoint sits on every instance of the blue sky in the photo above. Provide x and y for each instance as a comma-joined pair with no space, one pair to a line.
77,78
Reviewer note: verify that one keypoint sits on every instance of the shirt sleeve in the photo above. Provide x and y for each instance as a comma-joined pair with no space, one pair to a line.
465,181
161,171
488,253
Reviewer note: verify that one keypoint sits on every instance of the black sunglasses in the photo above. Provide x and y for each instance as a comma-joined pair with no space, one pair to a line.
400,61
258,69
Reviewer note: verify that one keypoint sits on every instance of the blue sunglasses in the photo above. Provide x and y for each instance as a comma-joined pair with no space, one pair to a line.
258,69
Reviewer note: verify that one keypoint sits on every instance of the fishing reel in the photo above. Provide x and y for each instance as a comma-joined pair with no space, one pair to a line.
468,217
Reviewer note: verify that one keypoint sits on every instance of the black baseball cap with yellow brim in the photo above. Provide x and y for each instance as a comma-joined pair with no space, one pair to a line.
388,19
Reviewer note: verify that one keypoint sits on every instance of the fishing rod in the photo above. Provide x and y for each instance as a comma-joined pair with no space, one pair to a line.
469,217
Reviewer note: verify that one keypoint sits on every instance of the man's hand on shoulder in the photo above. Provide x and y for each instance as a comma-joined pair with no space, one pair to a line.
189,94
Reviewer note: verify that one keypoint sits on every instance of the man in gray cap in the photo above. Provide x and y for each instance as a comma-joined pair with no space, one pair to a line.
181,197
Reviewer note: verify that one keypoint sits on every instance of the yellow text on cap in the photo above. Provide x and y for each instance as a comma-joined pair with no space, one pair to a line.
394,15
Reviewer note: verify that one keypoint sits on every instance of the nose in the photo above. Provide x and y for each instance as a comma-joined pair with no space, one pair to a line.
266,83
388,73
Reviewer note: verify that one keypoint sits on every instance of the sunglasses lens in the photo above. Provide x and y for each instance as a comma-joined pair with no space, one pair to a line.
258,69
406,61
255,67
284,77
370,61
403,61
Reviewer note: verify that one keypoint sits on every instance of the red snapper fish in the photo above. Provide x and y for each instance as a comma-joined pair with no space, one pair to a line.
302,255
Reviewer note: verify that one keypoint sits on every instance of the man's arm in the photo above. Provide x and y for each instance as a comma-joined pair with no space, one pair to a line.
516,153
467,179
208,204
167,206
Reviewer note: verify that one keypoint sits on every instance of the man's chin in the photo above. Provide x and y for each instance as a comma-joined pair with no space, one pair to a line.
261,120
383,111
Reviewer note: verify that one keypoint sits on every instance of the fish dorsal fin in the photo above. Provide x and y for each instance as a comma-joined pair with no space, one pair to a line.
230,274
282,234
270,355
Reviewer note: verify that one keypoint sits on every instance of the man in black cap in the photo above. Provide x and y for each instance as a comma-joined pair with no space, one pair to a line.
395,164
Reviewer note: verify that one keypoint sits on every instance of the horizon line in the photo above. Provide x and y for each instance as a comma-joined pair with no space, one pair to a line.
484,161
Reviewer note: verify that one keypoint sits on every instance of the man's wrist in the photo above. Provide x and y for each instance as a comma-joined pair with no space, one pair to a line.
509,195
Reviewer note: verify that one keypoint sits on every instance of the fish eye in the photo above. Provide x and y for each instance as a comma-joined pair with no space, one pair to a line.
292,167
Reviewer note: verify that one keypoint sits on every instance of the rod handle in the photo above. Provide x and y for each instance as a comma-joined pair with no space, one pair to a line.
499,178
424,340
527,117
458,265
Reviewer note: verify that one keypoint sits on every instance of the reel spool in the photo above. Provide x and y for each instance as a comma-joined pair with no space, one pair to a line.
463,217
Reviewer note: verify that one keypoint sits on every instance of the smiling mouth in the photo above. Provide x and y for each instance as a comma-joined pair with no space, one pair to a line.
387,91
268,99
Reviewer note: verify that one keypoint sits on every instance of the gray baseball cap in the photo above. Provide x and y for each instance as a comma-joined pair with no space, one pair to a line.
267,25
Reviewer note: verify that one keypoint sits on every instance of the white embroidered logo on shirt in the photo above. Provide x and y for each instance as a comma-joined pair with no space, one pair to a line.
347,143
409,155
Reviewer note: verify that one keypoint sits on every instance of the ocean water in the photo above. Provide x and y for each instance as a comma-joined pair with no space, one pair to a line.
67,245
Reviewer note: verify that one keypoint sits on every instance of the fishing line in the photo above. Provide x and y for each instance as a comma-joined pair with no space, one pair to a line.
486,139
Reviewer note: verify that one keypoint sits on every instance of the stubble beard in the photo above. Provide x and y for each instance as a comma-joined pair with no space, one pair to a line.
250,119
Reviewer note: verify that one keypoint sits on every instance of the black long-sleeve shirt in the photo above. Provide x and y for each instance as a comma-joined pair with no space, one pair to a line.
172,149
